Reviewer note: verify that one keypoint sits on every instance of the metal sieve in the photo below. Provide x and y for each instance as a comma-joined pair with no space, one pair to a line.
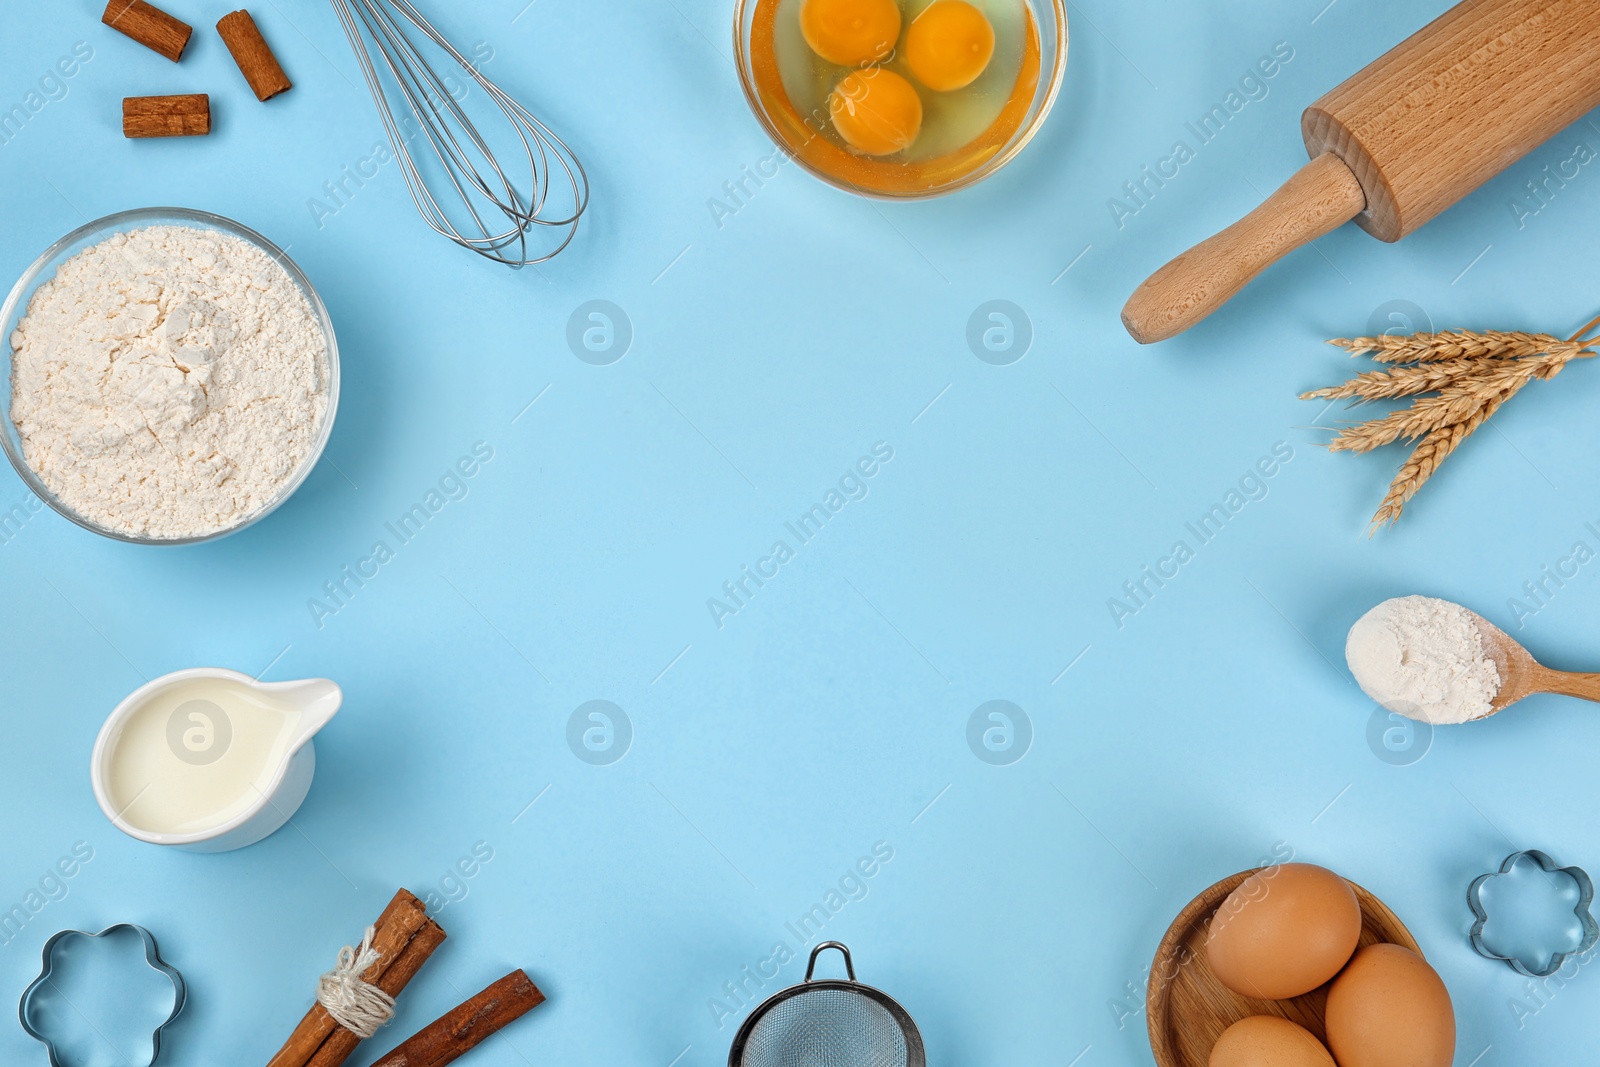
828,1022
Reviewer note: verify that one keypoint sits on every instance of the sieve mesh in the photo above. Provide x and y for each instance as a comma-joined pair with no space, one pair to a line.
826,1028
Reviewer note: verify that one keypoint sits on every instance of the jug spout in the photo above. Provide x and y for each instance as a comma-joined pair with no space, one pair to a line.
316,700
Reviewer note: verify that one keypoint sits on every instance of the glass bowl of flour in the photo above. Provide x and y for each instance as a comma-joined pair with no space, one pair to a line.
170,376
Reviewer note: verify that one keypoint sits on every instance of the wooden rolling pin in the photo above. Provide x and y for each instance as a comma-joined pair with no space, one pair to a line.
1453,105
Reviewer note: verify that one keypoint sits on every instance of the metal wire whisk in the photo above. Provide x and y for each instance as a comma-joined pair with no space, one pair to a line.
495,218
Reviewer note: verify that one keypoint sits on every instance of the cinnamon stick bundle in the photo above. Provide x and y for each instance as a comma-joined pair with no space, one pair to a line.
468,1025
252,55
166,116
149,25
404,937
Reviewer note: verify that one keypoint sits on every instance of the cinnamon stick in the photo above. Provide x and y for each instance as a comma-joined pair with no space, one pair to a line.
342,1043
404,937
166,116
468,1025
149,25
252,55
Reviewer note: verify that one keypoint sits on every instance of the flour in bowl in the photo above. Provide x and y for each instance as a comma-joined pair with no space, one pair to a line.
168,382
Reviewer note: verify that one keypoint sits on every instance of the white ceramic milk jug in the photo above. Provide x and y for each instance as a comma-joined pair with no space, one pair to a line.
210,760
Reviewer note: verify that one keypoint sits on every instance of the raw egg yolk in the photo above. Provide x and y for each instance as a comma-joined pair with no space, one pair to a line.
876,111
850,32
949,45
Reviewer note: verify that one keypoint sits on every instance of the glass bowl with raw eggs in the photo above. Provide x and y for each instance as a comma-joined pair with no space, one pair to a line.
900,99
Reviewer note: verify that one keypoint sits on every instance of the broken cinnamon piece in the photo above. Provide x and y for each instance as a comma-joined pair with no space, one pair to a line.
468,1025
166,116
149,25
253,56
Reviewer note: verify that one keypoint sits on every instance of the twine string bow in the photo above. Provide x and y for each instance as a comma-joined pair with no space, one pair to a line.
354,1004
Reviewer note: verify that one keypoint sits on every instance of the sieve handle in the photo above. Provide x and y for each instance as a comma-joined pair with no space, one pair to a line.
849,968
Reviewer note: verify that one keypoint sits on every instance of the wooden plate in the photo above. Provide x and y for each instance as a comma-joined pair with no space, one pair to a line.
1187,1008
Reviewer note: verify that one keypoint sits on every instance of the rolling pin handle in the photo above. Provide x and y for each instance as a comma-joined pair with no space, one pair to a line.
1320,198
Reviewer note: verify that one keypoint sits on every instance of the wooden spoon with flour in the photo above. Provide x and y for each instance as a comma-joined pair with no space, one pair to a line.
1440,663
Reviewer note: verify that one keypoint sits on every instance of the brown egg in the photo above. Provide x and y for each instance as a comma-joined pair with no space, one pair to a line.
1390,1009
1284,931
1268,1041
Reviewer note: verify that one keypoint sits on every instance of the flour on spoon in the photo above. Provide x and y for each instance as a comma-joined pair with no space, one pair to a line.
1424,658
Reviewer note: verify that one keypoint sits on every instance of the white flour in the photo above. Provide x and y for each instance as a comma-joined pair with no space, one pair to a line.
1423,658
167,382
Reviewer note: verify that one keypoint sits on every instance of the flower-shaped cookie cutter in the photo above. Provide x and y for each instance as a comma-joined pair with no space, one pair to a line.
1585,886
43,984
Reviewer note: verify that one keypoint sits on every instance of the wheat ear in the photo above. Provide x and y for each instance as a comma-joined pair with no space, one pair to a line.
1429,456
1454,403
1451,344
1402,381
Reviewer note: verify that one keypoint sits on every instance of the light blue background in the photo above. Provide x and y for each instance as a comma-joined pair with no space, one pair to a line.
768,354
